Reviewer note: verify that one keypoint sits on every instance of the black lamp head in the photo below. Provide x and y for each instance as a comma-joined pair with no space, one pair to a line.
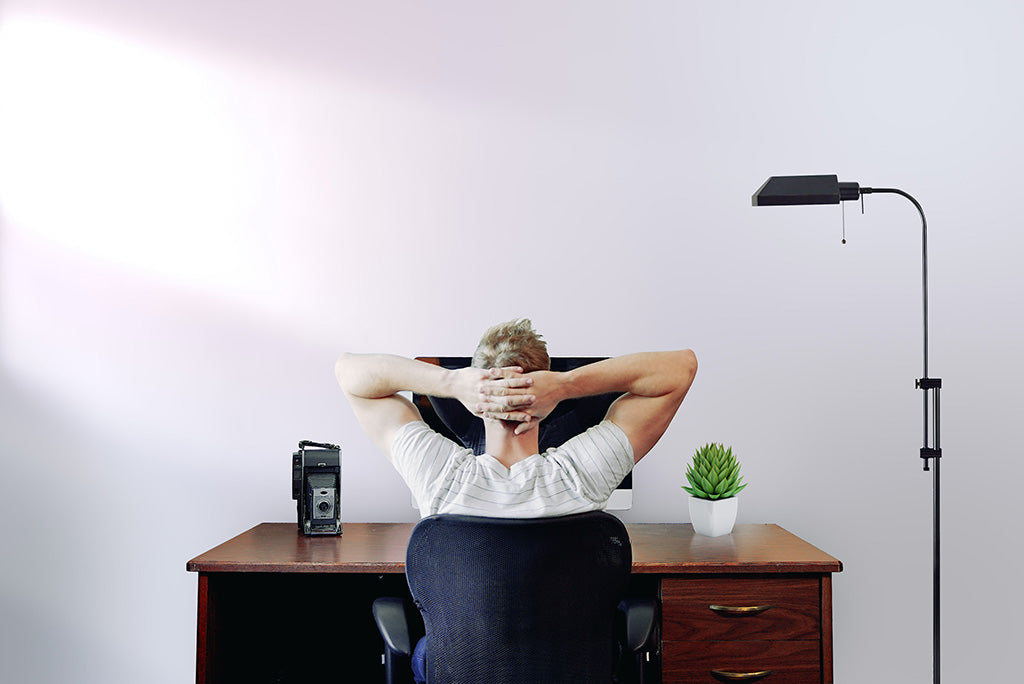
789,190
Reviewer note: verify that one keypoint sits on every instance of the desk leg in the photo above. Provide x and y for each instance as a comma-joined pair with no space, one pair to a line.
826,628
205,632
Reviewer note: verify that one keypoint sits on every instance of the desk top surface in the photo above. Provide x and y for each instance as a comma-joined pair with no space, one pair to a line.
661,548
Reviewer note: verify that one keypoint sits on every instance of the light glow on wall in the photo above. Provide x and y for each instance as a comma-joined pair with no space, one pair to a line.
125,154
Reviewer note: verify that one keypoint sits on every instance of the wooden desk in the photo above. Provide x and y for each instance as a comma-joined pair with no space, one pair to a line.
275,606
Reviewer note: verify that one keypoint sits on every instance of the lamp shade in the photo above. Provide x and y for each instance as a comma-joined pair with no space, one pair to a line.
789,190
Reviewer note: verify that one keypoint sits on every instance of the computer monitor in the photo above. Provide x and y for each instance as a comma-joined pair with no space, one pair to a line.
570,418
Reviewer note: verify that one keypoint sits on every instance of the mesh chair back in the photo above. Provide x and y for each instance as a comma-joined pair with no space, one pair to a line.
519,601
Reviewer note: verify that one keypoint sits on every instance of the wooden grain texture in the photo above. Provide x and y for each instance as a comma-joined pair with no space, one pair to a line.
278,547
659,548
667,548
795,612
791,662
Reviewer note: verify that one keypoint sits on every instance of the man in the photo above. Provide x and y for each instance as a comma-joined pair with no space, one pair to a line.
510,387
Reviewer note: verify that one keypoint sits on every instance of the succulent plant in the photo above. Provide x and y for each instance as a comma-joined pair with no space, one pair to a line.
713,473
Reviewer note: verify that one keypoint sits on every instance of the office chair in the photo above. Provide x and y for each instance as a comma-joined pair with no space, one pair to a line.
513,601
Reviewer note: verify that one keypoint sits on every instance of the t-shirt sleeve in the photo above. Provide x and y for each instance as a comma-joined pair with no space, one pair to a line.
599,459
423,458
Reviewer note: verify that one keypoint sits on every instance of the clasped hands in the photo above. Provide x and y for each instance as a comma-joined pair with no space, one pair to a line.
509,394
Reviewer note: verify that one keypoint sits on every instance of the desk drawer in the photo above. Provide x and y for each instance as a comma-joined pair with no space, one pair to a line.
783,662
718,609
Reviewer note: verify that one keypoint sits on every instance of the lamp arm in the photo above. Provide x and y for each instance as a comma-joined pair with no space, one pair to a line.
924,256
931,386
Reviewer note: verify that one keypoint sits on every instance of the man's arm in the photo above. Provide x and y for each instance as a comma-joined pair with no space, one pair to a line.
654,384
371,383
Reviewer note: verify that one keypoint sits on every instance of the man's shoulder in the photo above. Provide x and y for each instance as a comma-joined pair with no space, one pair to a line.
423,456
416,437
602,432
605,438
418,431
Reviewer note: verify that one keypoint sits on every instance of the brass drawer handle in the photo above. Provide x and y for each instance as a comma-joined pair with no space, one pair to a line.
740,676
736,611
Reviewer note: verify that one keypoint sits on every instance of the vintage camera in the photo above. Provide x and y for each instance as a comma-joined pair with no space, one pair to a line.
316,487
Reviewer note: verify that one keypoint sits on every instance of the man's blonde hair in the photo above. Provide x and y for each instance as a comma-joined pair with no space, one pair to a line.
513,343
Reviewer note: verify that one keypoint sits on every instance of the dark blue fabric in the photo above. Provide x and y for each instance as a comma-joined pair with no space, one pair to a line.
419,662
519,601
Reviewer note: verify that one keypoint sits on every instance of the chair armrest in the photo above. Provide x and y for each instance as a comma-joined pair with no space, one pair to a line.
641,620
389,614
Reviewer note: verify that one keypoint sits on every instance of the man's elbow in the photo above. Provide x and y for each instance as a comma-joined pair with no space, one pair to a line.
686,367
690,360
343,370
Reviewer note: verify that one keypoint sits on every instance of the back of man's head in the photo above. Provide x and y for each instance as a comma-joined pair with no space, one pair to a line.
513,343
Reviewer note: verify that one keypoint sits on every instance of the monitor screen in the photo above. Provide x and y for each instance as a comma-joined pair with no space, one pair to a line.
570,418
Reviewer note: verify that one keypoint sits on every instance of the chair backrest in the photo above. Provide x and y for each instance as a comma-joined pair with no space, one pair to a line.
519,601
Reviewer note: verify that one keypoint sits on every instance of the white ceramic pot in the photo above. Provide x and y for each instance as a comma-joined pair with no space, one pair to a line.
713,518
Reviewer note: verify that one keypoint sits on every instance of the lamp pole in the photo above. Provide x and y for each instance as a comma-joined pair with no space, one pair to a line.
798,190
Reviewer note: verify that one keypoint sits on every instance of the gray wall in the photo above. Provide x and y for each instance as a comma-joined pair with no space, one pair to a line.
203,203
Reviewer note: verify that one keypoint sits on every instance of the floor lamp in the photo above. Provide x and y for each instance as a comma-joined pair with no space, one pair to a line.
794,190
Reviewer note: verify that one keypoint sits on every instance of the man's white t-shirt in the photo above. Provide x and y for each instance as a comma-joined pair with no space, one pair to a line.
446,477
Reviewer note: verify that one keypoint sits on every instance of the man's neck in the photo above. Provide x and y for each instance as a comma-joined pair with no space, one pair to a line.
508,447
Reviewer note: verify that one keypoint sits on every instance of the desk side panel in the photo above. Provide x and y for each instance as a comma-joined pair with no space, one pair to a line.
826,629
206,622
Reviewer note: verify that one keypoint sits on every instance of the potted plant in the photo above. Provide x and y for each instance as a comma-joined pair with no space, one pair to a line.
714,477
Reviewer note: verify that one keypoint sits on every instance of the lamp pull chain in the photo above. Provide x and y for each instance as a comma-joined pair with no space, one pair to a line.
843,207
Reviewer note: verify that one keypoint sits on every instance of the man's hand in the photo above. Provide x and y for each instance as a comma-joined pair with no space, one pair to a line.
498,393
527,399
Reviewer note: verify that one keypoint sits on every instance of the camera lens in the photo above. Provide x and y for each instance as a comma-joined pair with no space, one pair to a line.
324,506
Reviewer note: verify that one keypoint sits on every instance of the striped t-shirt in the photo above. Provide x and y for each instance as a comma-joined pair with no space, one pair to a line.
578,476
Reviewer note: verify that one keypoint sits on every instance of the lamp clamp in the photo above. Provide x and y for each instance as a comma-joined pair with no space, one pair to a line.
928,453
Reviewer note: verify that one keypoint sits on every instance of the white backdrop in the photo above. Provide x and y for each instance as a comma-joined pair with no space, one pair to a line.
204,202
